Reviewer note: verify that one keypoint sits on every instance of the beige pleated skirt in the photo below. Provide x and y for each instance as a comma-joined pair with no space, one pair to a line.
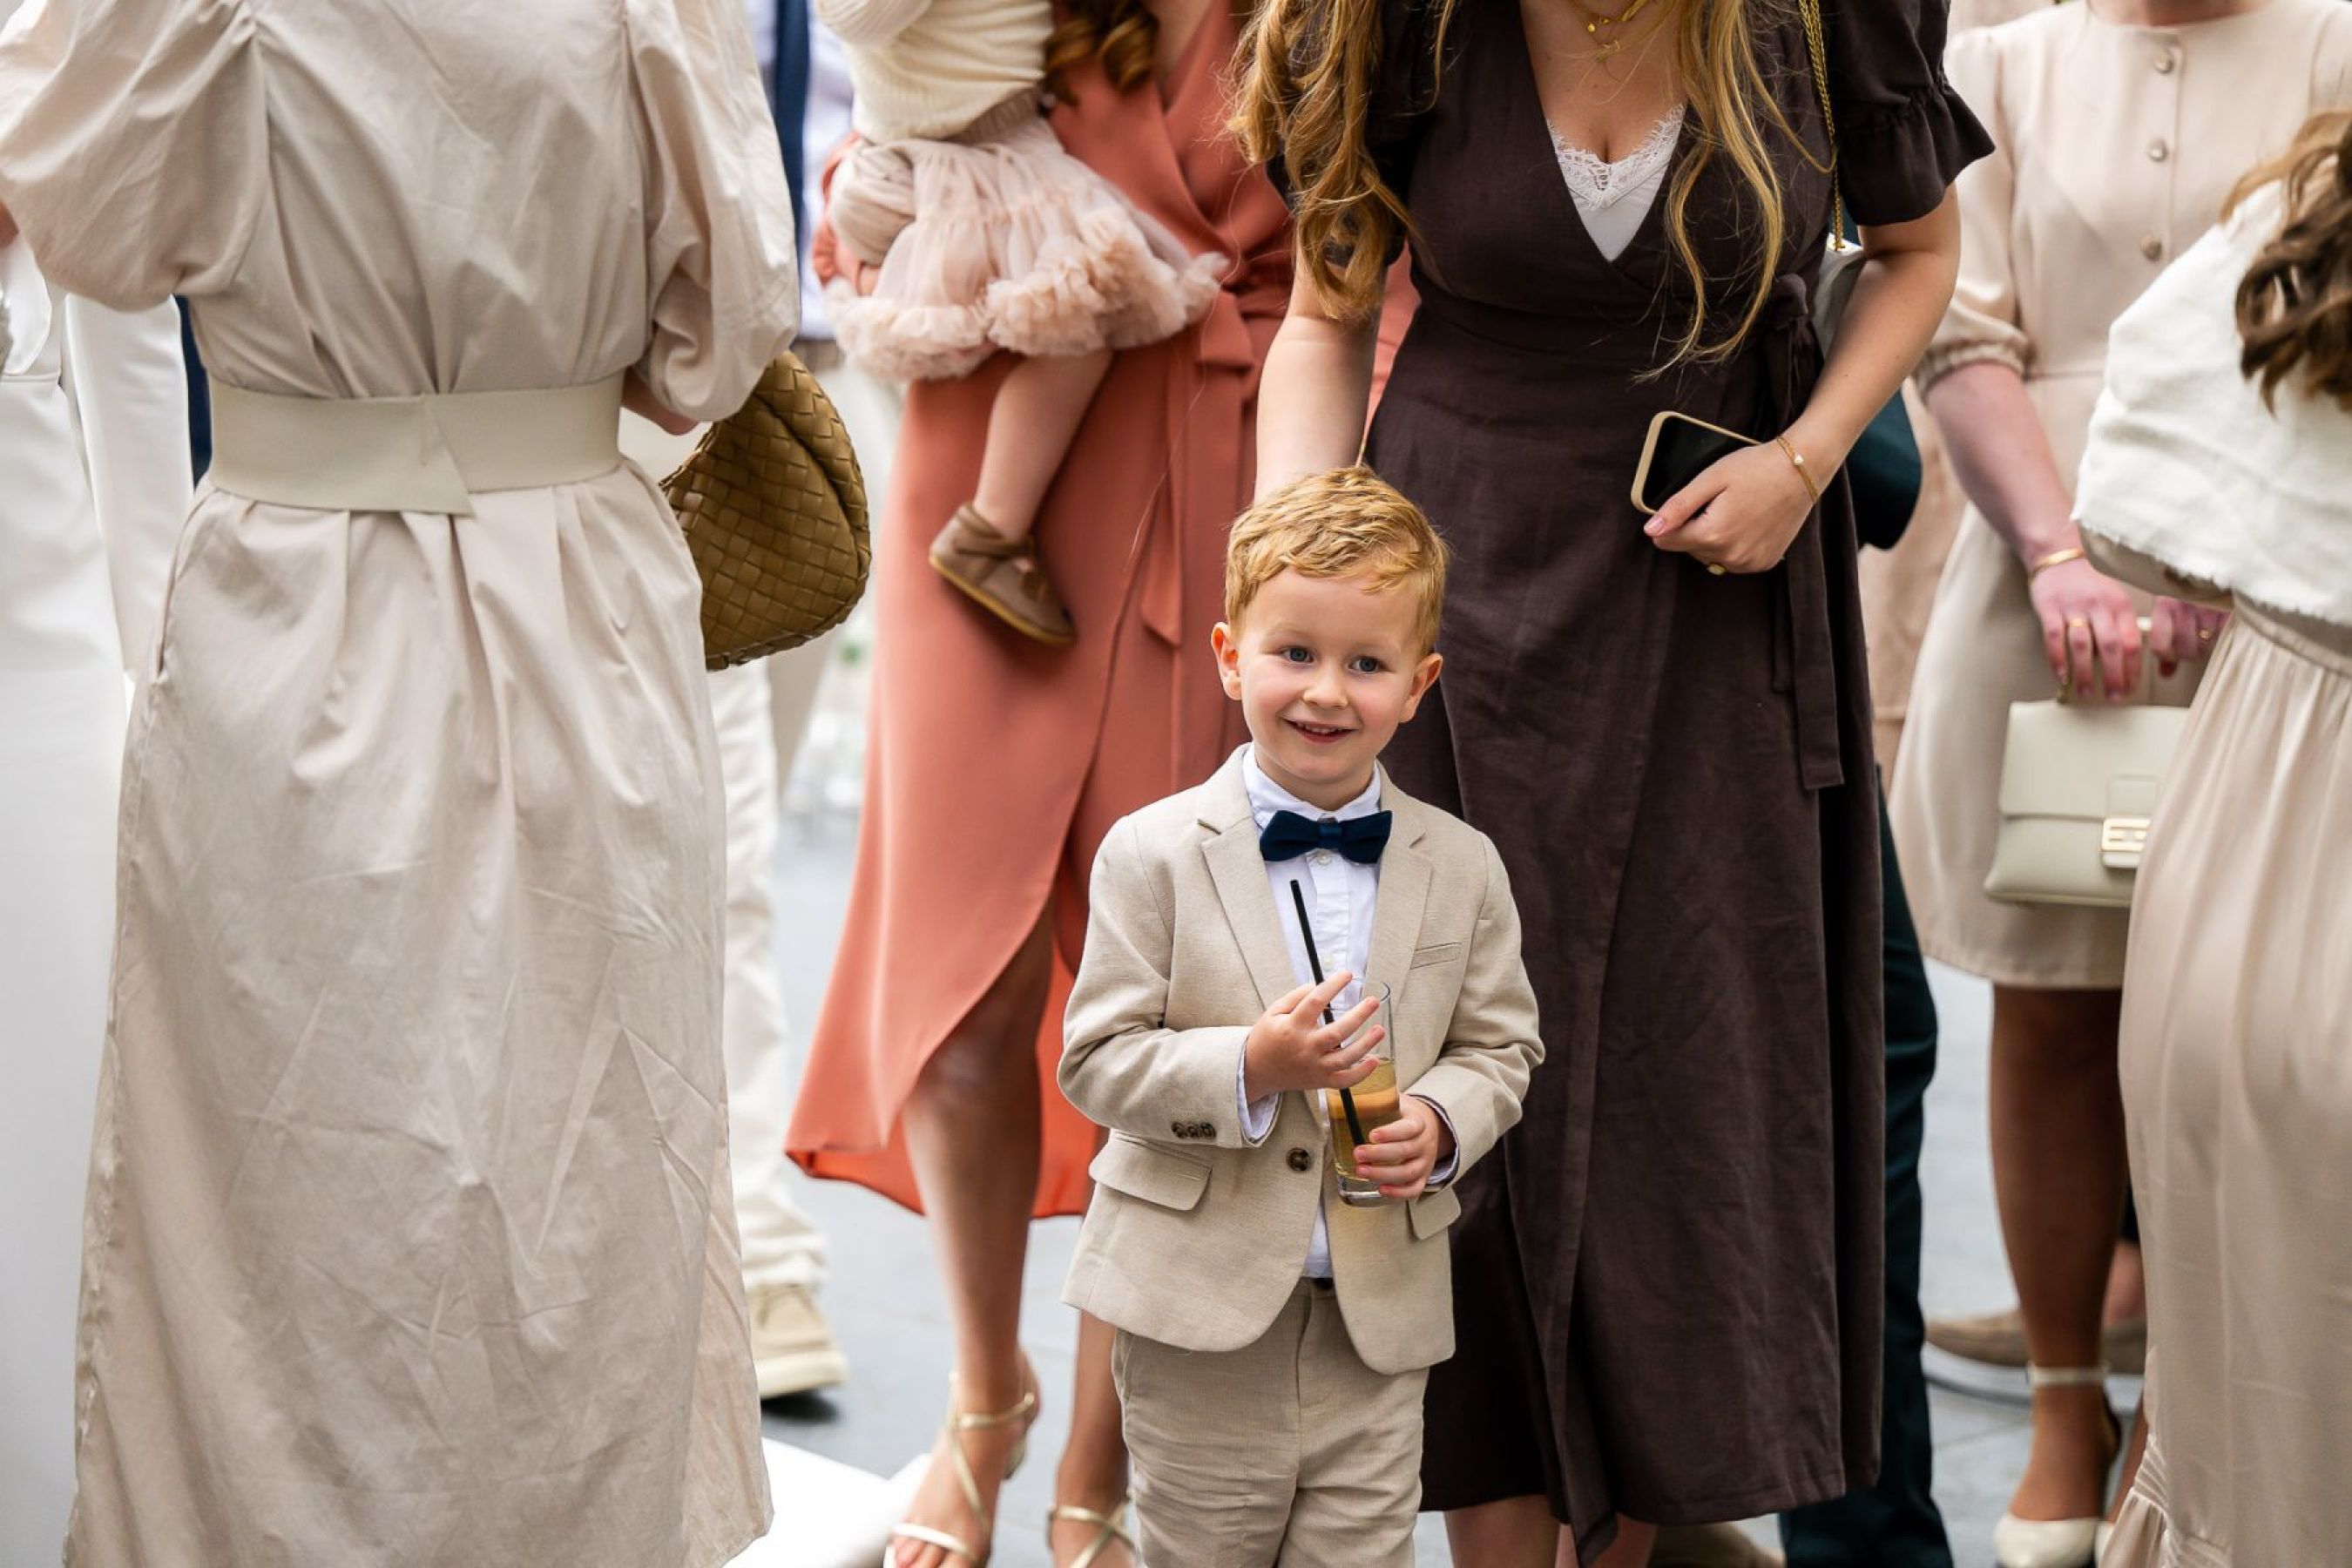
1983,651
2237,1076
409,1237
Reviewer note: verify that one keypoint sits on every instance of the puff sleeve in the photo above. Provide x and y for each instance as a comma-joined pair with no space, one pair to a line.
1902,133
721,265
1982,321
134,143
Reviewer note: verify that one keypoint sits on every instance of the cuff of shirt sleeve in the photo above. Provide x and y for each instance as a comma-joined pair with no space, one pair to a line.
1256,1115
1942,359
1449,1167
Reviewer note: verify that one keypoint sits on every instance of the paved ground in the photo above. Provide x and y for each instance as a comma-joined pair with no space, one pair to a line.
886,1305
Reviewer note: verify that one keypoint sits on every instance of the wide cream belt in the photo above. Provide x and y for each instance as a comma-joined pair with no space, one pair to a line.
429,454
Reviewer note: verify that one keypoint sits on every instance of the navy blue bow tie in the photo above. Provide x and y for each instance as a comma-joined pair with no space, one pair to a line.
1289,836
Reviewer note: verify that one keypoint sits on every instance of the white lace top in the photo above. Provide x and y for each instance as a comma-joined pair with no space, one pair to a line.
1614,198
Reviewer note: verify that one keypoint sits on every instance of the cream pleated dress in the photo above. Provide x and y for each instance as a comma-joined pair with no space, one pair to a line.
2237,1018
409,1239
2117,147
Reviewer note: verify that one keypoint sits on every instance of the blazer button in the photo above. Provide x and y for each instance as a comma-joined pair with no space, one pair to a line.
1300,1160
1179,1129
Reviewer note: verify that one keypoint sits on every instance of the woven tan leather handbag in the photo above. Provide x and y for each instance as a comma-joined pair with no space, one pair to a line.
774,510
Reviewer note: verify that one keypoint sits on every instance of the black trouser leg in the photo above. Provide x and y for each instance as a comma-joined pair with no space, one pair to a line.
1894,1524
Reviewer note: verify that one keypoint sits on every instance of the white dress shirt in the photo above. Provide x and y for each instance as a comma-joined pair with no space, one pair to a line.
1341,897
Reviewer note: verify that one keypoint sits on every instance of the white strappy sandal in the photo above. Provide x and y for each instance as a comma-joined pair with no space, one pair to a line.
1108,1527
2056,1543
957,1423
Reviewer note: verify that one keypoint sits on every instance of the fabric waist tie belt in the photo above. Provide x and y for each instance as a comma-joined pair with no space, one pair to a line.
429,454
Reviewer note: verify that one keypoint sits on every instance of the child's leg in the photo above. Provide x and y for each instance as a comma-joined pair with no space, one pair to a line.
1359,1477
985,549
1214,1440
1030,428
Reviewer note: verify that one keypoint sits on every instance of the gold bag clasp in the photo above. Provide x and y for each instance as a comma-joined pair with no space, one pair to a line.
2122,840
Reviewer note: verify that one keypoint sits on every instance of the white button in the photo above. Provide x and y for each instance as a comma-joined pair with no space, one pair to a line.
2157,151
2167,62
1322,856
2151,247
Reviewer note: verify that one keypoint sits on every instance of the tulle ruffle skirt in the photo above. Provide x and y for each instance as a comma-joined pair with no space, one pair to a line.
1000,240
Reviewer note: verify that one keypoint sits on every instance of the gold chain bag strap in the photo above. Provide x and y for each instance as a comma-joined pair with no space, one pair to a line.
1841,265
774,510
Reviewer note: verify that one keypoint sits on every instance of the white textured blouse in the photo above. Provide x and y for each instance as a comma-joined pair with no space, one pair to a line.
928,68
2187,464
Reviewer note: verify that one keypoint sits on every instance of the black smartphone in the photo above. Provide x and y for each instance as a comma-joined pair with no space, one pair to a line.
1679,449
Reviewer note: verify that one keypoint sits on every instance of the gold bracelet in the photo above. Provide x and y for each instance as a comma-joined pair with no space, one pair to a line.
1797,460
2055,558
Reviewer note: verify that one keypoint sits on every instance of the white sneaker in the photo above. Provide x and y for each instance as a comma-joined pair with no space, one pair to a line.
792,1347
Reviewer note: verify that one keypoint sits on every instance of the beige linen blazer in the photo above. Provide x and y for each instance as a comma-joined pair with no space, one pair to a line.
1195,1238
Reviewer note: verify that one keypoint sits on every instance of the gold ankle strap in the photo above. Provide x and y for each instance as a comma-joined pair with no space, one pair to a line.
984,1420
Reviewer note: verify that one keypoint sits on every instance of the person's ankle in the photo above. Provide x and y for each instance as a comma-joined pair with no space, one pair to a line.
988,1391
1086,1481
1009,522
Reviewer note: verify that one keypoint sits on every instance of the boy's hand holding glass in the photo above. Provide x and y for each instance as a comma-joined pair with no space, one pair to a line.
1400,1156
1291,1047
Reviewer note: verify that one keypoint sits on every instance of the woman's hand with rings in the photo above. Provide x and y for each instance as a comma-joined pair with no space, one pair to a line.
2180,632
2090,631
1740,514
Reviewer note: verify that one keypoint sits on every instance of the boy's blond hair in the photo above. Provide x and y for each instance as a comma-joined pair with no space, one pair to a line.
1337,523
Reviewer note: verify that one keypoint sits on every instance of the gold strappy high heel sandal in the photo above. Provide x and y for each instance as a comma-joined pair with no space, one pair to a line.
957,1423
1108,1527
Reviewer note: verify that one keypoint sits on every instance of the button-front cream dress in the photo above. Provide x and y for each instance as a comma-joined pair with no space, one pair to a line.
408,1238
2116,146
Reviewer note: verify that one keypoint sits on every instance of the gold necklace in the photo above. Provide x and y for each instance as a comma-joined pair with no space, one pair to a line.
1594,21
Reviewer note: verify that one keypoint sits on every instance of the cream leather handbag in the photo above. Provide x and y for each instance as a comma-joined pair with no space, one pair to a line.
2078,785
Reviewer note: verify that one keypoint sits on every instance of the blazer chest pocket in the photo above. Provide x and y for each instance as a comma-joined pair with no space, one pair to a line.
1436,953
1140,1170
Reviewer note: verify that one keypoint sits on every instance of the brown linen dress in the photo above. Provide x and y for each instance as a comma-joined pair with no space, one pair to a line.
1668,1285
996,766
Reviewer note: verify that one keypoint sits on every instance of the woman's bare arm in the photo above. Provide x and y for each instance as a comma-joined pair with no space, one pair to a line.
1908,273
1316,390
2001,457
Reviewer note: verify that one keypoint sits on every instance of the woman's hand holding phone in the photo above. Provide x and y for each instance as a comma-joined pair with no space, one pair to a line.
1741,514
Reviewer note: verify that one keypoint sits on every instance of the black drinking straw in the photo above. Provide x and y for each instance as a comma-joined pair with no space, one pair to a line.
1314,966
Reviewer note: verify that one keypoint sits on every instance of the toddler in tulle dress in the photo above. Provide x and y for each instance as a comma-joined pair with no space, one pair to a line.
979,233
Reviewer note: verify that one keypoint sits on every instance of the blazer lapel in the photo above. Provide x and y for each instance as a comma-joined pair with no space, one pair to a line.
1405,874
1238,869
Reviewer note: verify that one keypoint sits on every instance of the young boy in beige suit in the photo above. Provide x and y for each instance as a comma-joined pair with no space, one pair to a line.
1273,1340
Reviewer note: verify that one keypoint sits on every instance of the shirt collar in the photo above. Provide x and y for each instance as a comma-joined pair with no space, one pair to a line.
1266,797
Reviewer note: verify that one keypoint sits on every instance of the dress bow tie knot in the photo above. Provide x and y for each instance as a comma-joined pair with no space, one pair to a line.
1360,840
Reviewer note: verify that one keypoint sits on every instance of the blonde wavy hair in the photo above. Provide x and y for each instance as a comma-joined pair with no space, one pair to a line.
1124,33
1337,523
1304,95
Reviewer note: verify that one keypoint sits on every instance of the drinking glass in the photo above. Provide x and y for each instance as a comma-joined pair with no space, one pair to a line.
1374,1100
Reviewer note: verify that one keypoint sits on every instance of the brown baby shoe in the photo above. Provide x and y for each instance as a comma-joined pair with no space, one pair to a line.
1004,575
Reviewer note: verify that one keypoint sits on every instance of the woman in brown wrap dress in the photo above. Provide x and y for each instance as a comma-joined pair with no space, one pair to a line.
1668,1288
